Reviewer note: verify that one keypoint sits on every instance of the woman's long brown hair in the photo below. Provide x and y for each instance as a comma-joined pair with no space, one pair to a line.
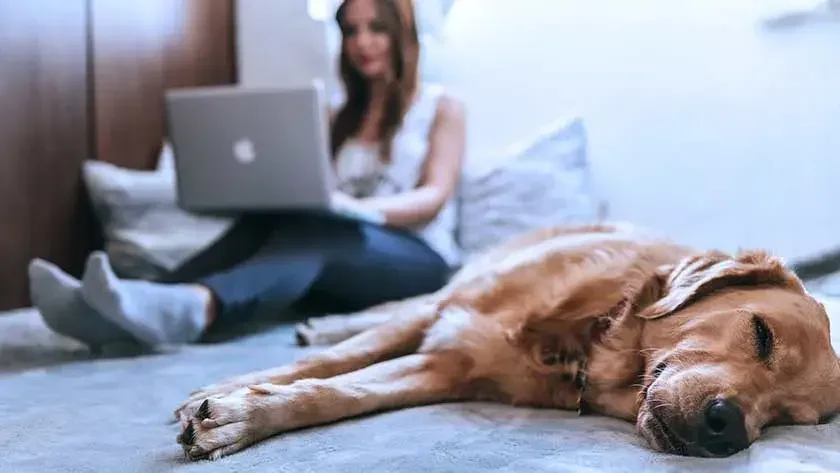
398,17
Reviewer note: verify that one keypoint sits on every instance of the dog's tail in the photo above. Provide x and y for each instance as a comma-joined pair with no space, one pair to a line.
332,329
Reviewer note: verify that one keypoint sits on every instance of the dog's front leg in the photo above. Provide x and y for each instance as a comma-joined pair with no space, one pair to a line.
381,343
224,425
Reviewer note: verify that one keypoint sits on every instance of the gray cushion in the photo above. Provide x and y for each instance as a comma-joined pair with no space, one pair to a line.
542,181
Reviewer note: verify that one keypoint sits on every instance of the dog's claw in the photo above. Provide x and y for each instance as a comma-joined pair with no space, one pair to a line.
196,453
187,437
203,411
300,337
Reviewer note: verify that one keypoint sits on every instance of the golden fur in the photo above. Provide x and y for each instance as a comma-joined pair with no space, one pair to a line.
596,318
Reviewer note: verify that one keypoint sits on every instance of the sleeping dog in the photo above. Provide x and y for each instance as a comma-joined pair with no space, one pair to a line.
700,350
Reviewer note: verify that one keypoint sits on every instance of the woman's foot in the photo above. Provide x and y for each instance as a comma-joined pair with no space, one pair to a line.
154,313
58,298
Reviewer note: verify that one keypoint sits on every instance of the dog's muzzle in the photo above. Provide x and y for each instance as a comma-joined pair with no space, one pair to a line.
718,430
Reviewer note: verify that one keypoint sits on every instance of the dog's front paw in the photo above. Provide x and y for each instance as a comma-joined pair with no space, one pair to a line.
221,425
186,411
188,408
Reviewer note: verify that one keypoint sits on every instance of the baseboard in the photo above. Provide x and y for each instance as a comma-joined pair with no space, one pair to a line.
826,12
817,266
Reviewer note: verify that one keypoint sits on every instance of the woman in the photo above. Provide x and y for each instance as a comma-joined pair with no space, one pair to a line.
398,147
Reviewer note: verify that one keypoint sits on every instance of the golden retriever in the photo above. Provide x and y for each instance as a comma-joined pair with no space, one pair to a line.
700,349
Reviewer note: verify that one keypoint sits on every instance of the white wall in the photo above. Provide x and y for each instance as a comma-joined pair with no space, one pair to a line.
702,124
279,43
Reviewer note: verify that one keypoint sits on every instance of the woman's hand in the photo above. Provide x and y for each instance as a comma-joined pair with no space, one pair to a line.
340,200
354,208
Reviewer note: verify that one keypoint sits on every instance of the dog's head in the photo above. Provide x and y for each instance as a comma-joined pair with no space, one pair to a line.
735,344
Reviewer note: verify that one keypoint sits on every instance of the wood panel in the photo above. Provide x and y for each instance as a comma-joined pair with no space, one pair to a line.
142,48
84,79
43,139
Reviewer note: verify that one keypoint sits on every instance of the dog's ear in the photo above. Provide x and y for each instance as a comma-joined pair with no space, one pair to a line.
595,302
697,276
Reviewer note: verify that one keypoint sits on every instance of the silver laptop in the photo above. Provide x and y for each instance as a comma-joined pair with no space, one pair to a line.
250,149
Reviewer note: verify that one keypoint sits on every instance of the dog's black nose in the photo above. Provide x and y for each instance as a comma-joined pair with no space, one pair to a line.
723,430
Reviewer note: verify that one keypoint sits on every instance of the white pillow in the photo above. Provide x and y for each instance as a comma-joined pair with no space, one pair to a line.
146,233
539,182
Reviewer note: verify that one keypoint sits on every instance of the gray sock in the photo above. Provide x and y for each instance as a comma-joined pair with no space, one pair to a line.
58,298
154,313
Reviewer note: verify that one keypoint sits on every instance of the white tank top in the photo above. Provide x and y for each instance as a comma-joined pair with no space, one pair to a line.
361,173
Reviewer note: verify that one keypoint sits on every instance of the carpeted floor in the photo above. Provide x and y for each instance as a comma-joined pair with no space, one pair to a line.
65,411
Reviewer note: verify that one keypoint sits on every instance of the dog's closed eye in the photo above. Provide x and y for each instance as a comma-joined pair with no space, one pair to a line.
658,370
763,339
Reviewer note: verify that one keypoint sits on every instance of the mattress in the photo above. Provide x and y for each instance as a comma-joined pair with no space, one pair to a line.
63,410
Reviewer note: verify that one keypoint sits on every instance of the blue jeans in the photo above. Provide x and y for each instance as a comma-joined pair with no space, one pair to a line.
281,259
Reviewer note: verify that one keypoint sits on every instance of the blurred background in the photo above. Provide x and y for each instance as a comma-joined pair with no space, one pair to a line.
703,121
716,122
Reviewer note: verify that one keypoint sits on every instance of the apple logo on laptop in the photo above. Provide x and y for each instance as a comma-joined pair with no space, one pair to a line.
244,152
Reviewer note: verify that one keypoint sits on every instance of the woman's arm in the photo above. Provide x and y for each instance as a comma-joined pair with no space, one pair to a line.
447,144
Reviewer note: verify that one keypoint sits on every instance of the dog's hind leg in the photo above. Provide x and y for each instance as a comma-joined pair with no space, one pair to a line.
332,329
391,340
230,423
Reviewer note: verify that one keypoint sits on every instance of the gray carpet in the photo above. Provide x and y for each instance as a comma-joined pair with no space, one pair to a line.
63,410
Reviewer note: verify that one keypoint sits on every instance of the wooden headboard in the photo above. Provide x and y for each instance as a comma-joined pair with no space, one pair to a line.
86,82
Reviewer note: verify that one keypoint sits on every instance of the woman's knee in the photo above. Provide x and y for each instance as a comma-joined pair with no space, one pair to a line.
431,278
363,285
